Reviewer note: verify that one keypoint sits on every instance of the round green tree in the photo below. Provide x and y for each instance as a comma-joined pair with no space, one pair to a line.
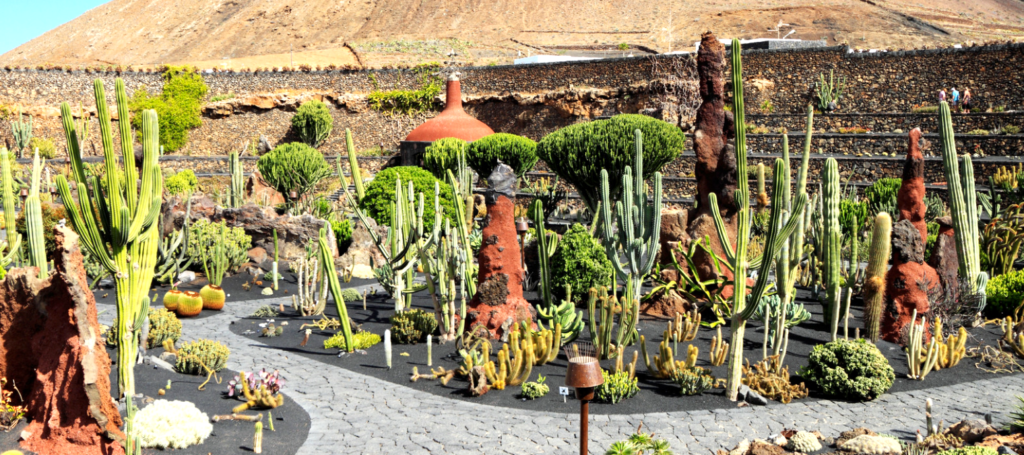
853,370
520,153
580,261
577,153
293,167
313,123
380,194
442,155
184,181
178,107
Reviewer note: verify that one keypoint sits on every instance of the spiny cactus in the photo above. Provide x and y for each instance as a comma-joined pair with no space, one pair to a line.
920,360
10,223
665,365
172,255
236,196
353,164
22,132
331,275
34,222
602,309
874,279
832,245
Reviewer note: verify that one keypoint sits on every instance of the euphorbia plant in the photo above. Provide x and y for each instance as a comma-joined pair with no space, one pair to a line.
215,263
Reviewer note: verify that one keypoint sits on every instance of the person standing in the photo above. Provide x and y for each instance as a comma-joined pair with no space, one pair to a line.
942,95
967,100
956,98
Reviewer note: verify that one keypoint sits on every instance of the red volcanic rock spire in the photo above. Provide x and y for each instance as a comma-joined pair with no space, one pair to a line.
498,304
910,198
453,121
908,284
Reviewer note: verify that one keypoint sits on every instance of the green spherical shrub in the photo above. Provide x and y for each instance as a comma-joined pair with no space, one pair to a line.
853,370
577,153
881,195
380,194
183,182
293,167
520,153
313,123
579,261
442,155
1004,293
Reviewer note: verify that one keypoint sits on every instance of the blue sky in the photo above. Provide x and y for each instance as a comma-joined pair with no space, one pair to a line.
27,19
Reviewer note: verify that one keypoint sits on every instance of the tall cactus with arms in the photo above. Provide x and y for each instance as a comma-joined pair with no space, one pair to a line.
778,232
120,227
236,196
963,204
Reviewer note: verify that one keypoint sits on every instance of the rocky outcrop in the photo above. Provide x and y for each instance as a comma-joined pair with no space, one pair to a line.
908,284
498,303
258,190
944,258
362,253
49,331
910,198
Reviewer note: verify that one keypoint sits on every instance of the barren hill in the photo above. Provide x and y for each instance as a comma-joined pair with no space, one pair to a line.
255,33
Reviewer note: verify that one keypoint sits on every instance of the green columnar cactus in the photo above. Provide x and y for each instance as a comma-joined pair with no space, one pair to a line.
546,246
331,274
22,132
631,238
126,235
962,205
215,259
236,196
441,265
602,309
778,232
832,244
34,222
463,220
10,222
874,278
353,164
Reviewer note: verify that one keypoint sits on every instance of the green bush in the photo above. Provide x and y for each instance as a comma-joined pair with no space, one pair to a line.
535,390
293,167
1008,129
313,122
692,381
978,132
853,213
380,194
203,235
178,108
520,153
616,387
970,450
350,295
853,370
183,182
361,340
577,153
412,326
1005,293
580,261
45,146
881,195
442,155
342,233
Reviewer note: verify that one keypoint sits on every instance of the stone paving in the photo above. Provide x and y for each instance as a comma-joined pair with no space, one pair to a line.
353,413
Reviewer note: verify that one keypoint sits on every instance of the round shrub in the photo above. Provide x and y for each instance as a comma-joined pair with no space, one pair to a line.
380,194
579,261
178,107
520,153
313,122
1004,293
577,153
171,425
181,183
293,167
854,370
442,155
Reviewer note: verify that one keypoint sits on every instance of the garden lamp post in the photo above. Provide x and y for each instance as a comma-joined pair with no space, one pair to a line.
583,374
521,228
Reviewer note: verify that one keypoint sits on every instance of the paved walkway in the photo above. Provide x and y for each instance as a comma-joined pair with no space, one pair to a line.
353,413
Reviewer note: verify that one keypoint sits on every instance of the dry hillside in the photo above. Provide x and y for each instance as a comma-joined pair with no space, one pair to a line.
253,33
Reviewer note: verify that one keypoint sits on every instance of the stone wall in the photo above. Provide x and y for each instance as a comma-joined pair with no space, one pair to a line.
887,122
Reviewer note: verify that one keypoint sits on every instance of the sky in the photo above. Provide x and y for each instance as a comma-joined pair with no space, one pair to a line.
27,19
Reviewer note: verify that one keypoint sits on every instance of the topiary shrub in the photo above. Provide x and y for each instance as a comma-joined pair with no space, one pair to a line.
313,122
183,182
442,155
520,153
178,107
1005,293
412,326
854,370
203,234
293,167
577,153
171,425
380,194
881,195
579,261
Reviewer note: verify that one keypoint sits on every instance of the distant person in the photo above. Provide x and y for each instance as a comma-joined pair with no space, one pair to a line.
956,98
942,95
967,100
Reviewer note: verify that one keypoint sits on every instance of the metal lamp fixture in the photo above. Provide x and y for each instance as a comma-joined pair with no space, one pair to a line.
521,228
583,374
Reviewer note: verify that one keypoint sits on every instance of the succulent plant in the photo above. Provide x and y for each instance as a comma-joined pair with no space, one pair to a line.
804,442
271,381
195,357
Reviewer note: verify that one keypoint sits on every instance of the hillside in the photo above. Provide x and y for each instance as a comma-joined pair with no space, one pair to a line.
254,33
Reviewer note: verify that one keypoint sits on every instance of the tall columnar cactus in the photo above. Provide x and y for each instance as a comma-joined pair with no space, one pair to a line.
833,308
215,258
34,222
631,237
331,275
546,246
22,132
353,164
778,232
874,278
119,228
963,205
236,196
7,187
463,220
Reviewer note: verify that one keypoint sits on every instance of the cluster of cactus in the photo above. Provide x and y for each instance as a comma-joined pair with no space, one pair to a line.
271,330
874,277
360,341
963,206
544,343
534,390
443,264
259,390
617,386
693,380
236,195
952,349
22,132
201,356
778,232
778,321
920,360
602,309
665,365
119,228
684,327
514,365
622,366
1013,337
265,311
563,313
163,325
631,238
411,327
770,379
311,296
215,258
34,221
719,349
171,255
10,224
832,246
